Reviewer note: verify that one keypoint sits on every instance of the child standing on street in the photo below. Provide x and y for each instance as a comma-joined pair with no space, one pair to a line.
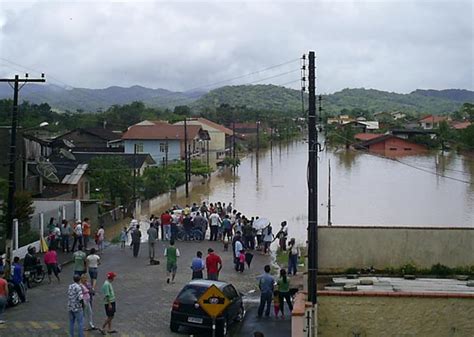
276,302
123,238
242,260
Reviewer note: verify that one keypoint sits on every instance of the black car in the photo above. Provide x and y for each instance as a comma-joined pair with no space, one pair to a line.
186,310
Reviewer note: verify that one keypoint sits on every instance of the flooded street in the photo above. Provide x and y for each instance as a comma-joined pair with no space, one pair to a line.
366,189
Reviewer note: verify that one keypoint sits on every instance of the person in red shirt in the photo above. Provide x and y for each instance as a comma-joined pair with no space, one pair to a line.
86,232
213,265
51,261
3,295
166,224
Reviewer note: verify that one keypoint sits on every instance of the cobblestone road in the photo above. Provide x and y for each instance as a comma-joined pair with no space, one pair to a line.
143,297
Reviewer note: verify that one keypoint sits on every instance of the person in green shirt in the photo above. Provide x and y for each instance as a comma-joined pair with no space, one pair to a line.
109,303
284,292
79,258
172,254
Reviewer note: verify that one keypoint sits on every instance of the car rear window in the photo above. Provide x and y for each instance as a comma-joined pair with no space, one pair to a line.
191,294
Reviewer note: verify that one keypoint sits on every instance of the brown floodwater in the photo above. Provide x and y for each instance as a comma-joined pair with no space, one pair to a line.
430,190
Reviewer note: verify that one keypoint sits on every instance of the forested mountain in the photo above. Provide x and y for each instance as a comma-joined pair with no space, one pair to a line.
255,97
93,100
270,97
460,95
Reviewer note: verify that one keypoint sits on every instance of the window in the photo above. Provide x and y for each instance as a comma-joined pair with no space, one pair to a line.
139,147
407,149
86,187
163,147
393,149
230,292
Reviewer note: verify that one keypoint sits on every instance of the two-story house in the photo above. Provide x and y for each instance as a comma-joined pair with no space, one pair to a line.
217,134
164,142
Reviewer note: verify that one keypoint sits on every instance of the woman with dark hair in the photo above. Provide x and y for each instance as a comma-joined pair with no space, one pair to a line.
284,292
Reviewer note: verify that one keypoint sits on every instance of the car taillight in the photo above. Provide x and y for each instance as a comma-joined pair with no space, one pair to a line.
175,305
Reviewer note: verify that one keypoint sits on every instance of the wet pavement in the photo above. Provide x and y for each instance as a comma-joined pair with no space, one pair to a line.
143,297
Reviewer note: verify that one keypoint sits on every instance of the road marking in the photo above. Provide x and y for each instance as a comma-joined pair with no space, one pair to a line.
35,325
53,326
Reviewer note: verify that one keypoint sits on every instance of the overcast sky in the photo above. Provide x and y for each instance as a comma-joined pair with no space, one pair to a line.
388,45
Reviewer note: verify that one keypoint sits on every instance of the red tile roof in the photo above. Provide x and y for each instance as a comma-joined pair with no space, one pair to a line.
433,119
461,125
161,131
367,136
219,127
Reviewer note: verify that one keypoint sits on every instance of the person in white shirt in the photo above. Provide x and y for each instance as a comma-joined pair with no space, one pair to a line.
214,221
93,261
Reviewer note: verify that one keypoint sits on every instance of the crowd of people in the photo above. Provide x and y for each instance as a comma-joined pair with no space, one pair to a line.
218,222
214,222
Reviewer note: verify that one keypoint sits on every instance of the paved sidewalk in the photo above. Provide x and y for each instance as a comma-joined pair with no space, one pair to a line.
143,297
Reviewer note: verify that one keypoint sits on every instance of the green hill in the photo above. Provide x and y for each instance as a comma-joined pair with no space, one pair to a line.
271,97
256,97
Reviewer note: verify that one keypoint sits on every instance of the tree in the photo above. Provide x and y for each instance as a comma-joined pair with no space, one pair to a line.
444,134
113,179
468,109
24,210
467,137
182,110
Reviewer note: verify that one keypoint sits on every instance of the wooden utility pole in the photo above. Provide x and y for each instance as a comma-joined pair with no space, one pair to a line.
12,159
312,184
329,193
186,163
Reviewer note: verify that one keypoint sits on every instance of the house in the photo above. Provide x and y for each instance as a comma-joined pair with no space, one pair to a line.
70,179
389,116
367,136
219,136
410,133
90,139
432,122
341,119
64,182
391,146
460,125
164,142
363,126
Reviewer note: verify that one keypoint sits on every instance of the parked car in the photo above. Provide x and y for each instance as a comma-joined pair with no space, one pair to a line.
187,312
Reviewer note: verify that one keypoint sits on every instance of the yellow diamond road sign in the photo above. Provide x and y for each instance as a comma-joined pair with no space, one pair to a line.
213,301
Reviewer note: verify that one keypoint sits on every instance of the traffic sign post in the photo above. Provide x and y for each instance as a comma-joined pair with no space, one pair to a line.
213,302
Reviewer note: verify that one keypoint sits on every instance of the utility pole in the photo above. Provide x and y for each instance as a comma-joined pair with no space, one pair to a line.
207,154
258,135
329,193
135,148
186,155
12,160
312,184
233,139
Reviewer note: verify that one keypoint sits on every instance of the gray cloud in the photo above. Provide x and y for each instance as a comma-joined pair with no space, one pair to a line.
393,45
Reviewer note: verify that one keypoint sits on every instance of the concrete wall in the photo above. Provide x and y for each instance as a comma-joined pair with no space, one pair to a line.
342,247
365,316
